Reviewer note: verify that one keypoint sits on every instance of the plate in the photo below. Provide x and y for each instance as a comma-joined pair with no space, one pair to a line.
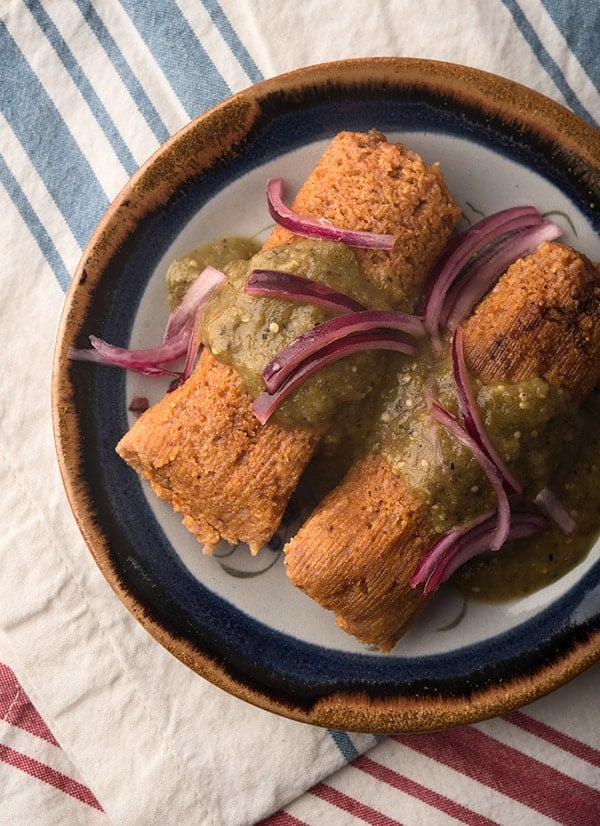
233,619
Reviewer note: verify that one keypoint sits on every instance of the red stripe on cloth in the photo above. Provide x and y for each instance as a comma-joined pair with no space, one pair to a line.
422,793
555,737
48,775
281,819
16,707
352,806
510,772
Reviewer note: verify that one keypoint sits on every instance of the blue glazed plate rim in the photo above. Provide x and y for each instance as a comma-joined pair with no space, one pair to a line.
272,669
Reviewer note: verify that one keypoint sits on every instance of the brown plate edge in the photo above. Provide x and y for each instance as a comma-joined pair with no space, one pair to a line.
192,149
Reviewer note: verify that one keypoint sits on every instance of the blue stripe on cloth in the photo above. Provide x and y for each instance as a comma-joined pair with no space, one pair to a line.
547,61
131,82
344,744
185,64
45,243
66,57
50,146
582,39
229,35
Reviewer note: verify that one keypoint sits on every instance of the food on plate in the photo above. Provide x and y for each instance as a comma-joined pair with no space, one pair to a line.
533,345
201,447
431,390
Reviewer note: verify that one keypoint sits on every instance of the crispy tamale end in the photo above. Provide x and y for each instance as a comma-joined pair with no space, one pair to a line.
228,476
346,556
363,182
541,319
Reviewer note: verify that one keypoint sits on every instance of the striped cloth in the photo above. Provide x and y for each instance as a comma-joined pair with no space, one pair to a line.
535,767
123,733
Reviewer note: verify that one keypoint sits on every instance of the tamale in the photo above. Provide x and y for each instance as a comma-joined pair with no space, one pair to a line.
358,551
201,447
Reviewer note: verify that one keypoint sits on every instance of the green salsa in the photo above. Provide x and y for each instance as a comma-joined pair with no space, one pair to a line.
379,401
532,424
544,439
187,267
246,332
525,566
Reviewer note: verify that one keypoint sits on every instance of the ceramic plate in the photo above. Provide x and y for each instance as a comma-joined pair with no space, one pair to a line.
234,619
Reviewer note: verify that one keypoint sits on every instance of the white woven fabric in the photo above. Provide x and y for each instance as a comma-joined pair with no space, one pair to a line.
88,90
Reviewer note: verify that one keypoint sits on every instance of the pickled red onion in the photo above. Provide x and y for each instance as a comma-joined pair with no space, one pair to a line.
334,329
462,249
470,288
266,403
470,413
449,423
553,508
319,228
460,544
180,338
277,284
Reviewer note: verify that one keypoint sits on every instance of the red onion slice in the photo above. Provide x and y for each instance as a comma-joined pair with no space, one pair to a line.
448,421
470,412
446,545
319,228
266,403
180,338
553,508
277,284
460,545
138,404
463,296
149,362
462,249
334,329
194,300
